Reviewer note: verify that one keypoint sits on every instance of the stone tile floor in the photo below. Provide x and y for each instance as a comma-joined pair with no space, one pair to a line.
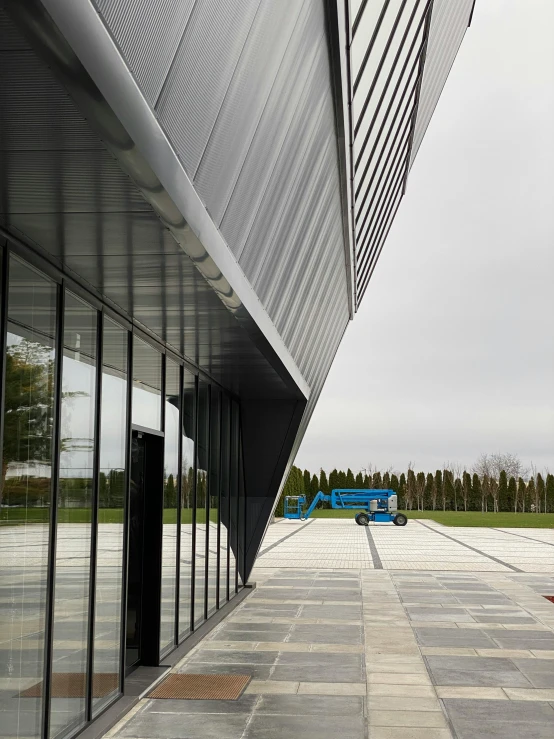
365,653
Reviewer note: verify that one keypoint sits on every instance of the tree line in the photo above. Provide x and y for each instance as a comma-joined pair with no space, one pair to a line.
487,487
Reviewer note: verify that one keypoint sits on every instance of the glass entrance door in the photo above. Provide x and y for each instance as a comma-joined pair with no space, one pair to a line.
136,541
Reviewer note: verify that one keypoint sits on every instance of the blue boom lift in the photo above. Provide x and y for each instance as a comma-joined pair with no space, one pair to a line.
378,505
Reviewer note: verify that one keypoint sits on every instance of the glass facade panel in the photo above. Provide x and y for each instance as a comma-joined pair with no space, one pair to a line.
241,520
187,502
25,492
111,512
147,385
213,501
203,502
234,502
171,492
201,539
75,495
224,539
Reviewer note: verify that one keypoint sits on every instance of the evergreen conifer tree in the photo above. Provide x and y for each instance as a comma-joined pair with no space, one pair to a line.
323,482
438,488
467,491
314,487
540,494
476,489
503,492
359,480
493,494
386,481
448,491
428,496
341,479
307,486
522,495
334,482
512,494
402,492
350,479
394,483
377,483
458,493
531,502
549,493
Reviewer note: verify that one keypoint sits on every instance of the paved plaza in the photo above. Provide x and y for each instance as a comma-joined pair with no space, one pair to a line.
421,545
415,636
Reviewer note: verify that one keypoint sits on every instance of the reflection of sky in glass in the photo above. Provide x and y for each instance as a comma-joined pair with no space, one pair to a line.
188,453
171,440
146,407
112,448
77,420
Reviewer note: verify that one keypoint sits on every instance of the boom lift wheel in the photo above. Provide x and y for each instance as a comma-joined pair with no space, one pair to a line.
362,519
356,519
400,520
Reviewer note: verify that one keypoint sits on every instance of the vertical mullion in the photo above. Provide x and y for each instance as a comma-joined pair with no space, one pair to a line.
50,588
241,458
195,501
94,514
161,573
127,488
179,503
236,429
207,501
229,478
3,339
219,483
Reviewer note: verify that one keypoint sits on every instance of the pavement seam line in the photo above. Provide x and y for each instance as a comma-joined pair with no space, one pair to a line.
272,546
377,564
522,536
473,549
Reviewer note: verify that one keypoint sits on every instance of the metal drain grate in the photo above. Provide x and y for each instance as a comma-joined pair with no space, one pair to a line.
74,685
202,687
549,597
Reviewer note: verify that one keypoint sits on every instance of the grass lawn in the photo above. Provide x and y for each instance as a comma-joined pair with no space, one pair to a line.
460,518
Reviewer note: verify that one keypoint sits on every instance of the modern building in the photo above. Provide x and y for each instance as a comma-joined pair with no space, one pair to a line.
193,198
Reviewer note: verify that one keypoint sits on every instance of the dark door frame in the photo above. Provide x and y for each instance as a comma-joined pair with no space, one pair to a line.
151,587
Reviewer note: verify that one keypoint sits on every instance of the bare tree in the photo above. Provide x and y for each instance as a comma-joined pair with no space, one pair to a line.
485,490
493,464
369,470
493,487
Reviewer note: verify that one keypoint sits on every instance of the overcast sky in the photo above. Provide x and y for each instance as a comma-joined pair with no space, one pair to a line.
452,351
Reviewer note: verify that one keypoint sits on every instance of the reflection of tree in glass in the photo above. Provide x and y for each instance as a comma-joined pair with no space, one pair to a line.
170,493
188,486
28,421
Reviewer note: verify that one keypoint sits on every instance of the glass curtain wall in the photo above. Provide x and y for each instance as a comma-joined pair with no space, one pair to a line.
147,385
188,492
65,453
74,517
26,493
171,496
234,501
212,544
201,538
112,482
224,538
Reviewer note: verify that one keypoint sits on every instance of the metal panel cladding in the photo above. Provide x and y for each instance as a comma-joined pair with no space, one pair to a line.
245,97
147,34
449,22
